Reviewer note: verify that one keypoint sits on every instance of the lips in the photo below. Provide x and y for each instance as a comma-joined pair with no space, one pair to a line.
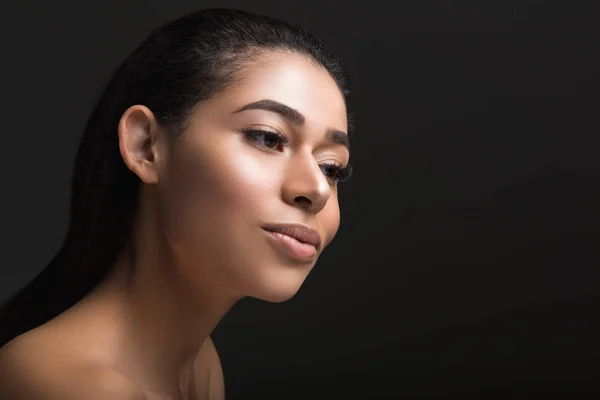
301,233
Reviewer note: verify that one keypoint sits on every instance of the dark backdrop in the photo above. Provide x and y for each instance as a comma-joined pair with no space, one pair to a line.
467,261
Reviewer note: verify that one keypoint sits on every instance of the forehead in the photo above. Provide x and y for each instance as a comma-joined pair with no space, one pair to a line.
295,81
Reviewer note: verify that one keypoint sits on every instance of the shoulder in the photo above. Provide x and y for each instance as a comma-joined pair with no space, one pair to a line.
29,372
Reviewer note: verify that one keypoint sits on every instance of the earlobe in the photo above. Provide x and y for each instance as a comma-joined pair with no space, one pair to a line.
138,131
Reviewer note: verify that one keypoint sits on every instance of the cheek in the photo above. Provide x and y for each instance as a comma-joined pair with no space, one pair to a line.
329,218
213,198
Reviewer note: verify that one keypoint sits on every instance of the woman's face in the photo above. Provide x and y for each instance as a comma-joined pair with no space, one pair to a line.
256,158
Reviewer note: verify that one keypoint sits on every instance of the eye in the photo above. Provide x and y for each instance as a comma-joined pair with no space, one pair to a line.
269,139
336,172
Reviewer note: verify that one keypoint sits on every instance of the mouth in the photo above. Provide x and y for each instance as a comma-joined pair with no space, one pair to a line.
296,240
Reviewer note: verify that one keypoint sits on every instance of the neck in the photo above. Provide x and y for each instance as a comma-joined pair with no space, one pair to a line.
158,319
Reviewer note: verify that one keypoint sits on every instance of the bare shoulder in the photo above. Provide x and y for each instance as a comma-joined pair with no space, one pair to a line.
30,371
210,384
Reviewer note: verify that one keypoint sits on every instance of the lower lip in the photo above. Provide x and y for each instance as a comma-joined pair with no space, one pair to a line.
293,247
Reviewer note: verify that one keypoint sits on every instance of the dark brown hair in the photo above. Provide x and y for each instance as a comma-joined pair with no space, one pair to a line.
178,65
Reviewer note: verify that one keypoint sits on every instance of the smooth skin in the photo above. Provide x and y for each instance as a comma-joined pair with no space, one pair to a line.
197,245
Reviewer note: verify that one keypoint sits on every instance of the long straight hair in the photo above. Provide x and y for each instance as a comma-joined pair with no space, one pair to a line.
178,65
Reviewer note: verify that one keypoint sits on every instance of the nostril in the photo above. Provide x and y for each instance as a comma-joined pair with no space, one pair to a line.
303,200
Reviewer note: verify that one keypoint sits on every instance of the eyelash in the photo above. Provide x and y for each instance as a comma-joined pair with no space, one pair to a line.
253,133
340,174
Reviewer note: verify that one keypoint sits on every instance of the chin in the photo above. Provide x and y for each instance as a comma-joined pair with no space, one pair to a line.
279,297
280,286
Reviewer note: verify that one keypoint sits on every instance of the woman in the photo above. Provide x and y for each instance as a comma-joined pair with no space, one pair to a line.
208,172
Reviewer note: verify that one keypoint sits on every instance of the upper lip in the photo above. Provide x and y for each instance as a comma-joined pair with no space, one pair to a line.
299,232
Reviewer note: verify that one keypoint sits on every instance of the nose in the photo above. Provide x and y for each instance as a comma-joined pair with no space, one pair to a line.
305,185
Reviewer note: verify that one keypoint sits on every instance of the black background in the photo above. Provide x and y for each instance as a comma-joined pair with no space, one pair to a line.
467,260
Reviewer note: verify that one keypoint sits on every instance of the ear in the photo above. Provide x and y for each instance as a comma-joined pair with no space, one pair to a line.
138,138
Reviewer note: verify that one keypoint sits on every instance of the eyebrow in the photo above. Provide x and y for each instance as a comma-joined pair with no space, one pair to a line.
338,137
295,117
